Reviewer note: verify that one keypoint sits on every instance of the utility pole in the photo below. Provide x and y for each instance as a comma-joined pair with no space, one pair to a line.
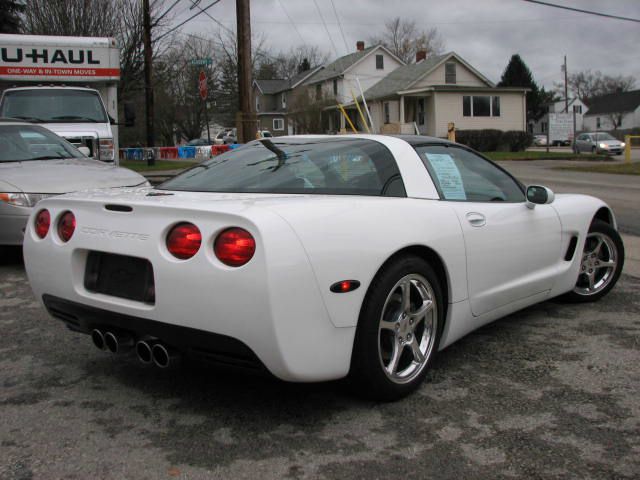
566,95
245,118
148,88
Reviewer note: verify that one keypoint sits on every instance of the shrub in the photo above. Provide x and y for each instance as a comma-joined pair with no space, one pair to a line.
491,140
517,141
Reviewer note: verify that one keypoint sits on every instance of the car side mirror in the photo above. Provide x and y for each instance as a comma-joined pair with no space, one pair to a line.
539,195
85,151
129,114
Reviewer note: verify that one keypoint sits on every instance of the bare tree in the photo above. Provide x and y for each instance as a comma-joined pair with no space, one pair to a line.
404,39
97,18
286,65
306,110
587,85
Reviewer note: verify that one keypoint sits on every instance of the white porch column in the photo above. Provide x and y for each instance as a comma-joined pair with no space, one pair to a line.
401,109
343,123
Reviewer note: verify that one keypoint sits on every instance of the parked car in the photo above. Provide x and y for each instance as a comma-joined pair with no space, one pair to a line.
540,140
318,257
35,163
200,142
598,142
264,134
230,137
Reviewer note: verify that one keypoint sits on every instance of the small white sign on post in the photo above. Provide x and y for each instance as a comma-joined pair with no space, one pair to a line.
560,127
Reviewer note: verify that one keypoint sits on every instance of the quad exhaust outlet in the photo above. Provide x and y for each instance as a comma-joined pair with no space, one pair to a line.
148,350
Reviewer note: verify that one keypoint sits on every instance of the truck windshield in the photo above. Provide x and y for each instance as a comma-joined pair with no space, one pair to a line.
336,166
52,105
19,143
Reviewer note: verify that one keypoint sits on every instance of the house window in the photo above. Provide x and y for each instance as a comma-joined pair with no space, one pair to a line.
543,127
257,103
318,92
278,124
598,122
480,106
386,112
495,106
450,73
284,100
335,86
577,108
466,106
379,62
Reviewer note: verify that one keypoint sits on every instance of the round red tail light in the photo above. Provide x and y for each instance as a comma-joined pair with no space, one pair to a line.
234,247
66,226
184,240
43,221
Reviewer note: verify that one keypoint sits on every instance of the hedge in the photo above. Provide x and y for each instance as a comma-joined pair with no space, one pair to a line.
490,140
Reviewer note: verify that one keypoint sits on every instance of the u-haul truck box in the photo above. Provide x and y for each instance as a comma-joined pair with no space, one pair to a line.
66,84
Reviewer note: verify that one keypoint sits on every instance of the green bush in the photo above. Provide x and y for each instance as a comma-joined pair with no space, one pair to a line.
491,140
517,141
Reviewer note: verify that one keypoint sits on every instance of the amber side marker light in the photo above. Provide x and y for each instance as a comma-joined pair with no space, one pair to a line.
344,286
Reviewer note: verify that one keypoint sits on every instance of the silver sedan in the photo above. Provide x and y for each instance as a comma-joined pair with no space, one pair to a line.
36,163
598,142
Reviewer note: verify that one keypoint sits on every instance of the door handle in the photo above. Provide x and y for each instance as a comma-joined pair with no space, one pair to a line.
476,219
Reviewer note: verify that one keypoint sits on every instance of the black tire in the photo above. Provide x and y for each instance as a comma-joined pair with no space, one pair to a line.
368,374
577,295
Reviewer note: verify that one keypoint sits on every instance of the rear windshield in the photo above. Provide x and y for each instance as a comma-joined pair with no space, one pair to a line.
332,166
52,105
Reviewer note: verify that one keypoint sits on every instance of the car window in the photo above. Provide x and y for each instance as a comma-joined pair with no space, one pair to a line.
19,143
319,166
462,175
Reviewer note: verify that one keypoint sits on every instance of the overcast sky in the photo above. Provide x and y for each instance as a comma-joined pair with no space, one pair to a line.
484,32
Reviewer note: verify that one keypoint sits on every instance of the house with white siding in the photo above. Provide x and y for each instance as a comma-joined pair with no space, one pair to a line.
428,95
615,111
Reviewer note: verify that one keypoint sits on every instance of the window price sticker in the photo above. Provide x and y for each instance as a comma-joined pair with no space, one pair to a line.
448,176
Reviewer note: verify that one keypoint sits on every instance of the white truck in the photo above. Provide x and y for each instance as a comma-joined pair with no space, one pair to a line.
66,84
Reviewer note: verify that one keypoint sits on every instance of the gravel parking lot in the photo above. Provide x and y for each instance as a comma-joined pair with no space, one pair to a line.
549,392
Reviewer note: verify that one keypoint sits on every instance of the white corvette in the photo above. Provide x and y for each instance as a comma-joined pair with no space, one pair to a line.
317,257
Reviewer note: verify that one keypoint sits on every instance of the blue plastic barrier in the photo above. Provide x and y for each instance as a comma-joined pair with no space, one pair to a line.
187,152
134,154
233,146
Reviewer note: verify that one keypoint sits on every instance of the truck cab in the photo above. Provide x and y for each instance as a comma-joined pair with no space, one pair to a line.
74,113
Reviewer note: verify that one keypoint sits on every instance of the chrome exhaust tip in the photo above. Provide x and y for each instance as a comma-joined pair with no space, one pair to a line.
118,342
163,356
143,351
98,339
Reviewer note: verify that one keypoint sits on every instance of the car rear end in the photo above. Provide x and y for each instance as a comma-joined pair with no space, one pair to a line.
177,272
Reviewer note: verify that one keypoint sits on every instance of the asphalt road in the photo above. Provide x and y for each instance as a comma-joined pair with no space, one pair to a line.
621,192
550,392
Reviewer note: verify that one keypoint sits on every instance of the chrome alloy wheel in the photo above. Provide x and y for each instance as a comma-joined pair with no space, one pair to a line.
598,265
407,328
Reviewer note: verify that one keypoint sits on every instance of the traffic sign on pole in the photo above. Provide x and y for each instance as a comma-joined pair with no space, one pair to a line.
202,85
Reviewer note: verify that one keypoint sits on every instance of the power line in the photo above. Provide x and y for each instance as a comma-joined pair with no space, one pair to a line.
590,12
344,39
164,14
202,10
326,28
195,5
292,22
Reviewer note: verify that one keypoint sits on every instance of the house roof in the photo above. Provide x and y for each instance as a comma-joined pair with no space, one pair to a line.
402,78
341,65
269,87
614,103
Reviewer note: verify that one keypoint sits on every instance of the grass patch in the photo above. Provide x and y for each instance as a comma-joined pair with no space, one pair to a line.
542,156
160,165
618,168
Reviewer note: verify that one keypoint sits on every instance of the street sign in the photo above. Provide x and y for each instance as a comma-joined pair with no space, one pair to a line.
202,85
201,61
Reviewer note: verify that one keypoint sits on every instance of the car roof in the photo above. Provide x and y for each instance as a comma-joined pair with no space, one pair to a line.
50,87
13,121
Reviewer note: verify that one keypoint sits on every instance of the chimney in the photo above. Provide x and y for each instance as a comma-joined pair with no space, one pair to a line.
359,45
421,55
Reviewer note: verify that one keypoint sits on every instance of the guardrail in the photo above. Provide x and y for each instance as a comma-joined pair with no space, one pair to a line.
186,152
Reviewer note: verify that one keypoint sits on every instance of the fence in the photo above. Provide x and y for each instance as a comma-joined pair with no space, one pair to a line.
174,153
